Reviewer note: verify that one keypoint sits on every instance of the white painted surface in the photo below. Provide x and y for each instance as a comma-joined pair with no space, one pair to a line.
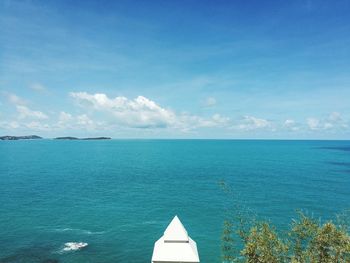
175,245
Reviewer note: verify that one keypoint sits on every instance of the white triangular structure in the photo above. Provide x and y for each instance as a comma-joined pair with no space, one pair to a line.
175,245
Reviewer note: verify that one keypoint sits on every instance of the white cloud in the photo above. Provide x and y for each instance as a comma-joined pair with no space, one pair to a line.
291,125
335,117
65,120
25,112
328,125
337,120
249,123
210,102
100,112
38,126
14,99
37,87
22,108
140,112
32,125
84,120
313,123
187,122
217,118
65,117
333,121
9,125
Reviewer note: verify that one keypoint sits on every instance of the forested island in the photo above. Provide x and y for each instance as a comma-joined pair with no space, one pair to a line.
14,138
34,137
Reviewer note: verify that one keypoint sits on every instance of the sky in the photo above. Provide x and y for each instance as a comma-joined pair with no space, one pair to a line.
175,69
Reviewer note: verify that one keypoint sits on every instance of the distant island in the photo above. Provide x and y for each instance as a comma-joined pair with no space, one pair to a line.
75,138
66,138
34,137
13,138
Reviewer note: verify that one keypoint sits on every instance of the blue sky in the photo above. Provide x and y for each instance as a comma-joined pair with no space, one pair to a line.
175,69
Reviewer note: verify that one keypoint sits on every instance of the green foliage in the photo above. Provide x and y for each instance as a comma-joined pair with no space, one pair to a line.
263,245
330,244
227,243
302,232
308,240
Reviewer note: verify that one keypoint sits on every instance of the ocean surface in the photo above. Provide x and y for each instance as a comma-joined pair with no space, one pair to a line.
118,196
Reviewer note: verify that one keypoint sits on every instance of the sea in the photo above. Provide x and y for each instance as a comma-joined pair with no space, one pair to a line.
114,198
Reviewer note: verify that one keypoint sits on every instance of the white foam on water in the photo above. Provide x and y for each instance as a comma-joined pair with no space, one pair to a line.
86,232
73,246
93,232
63,229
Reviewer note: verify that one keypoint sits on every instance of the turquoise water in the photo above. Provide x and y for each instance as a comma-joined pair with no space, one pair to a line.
118,196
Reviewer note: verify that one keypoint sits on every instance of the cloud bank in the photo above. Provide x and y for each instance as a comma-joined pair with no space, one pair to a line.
97,112
142,112
138,113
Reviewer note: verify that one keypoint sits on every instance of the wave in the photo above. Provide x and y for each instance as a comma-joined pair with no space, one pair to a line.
73,246
87,232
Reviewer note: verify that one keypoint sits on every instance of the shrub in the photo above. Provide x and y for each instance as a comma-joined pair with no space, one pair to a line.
307,241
